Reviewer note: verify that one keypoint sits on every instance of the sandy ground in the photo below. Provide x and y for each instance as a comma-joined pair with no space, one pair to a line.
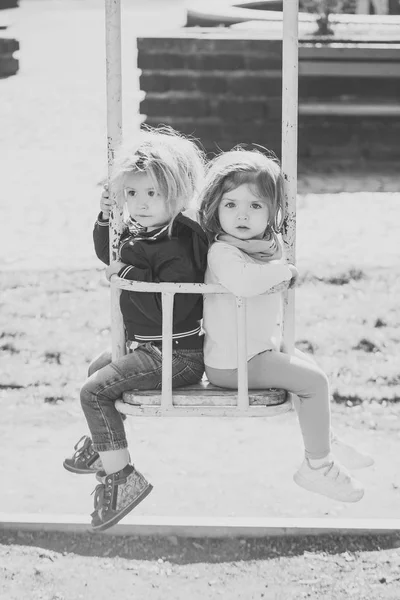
240,469
325,568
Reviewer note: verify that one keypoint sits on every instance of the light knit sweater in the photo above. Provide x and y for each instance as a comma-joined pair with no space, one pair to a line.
244,276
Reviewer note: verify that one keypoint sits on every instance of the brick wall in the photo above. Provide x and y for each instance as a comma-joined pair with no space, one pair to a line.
8,64
226,90
9,4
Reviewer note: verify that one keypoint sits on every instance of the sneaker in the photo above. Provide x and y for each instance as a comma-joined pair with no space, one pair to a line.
85,459
117,496
330,480
349,456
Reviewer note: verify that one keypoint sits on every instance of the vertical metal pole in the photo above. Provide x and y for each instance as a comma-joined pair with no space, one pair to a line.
289,152
167,329
114,137
243,379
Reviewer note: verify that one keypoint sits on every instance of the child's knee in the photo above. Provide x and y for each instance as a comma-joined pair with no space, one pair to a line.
315,383
99,362
92,367
320,381
86,396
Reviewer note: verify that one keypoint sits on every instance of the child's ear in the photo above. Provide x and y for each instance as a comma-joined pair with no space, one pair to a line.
278,220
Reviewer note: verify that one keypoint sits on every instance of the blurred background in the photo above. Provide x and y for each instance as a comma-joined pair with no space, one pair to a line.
209,69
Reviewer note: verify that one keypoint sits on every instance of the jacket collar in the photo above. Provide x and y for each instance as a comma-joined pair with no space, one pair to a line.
141,233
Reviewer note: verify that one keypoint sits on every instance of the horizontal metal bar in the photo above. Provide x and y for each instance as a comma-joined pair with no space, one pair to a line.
349,52
330,68
202,527
182,288
352,109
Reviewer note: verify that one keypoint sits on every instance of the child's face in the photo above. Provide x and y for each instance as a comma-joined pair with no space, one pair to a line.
145,204
242,214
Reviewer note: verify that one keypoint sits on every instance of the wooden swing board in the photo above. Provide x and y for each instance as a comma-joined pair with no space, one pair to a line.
201,527
196,410
204,399
206,394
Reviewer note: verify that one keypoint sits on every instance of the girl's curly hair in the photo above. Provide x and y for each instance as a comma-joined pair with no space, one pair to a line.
231,169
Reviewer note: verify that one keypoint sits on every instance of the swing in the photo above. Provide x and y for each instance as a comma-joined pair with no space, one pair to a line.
203,399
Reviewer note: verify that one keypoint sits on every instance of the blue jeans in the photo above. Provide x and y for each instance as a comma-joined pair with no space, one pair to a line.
138,370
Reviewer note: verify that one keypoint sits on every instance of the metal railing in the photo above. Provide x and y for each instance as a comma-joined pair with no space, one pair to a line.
168,291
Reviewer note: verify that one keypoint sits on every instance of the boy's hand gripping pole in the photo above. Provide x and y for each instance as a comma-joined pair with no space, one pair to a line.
114,138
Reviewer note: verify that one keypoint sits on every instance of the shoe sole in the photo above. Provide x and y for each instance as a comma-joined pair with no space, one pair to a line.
77,471
126,510
357,495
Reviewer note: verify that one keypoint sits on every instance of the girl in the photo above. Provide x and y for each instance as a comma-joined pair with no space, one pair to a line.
242,213
156,178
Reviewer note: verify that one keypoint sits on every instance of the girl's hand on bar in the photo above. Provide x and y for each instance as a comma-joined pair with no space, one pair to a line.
114,268
295,275
281,287
105,203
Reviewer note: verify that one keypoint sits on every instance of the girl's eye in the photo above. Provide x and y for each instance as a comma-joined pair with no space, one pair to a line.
130,193
256,205
230,205
151,193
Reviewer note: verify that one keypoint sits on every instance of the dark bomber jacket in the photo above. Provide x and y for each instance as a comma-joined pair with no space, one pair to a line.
157,257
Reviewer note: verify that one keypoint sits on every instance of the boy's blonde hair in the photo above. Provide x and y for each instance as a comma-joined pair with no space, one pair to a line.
231,169
174,162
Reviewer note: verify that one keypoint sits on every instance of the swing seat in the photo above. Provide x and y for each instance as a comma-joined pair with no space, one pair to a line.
204,400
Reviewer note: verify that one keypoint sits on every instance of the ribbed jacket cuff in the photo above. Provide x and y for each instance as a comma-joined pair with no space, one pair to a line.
101,221
125,271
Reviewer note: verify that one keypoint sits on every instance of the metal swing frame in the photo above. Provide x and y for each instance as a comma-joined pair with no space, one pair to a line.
204,399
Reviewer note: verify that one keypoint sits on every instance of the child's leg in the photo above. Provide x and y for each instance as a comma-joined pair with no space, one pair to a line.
299,376
309,383
100,361
140,369
122,486
85,460
319,472
347,454
113,460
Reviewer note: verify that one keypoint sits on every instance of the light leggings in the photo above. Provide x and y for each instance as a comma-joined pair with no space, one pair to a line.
296,373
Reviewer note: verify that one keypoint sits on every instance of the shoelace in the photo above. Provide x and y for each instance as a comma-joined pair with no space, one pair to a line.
83,449
86,443
98,500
